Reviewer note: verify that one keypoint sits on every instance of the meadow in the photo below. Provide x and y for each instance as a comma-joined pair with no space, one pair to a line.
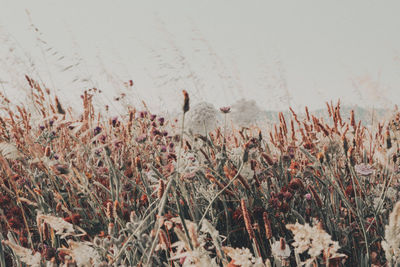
144,190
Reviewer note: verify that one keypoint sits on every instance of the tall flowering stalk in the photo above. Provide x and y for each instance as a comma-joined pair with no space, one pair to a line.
163,201
225,111
391,244
249,227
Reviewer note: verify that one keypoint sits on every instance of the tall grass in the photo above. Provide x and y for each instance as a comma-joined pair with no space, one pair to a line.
136,190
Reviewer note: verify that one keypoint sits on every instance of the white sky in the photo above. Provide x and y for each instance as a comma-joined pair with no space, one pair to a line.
218,50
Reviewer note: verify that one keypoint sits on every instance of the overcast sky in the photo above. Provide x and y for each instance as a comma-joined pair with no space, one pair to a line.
279,53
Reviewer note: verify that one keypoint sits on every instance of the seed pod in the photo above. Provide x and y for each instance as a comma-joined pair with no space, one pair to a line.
246,218
47,151
115,209
58,207
164,239
59,107
350,152
267,225
267,158
388,140
138,163
109,211
352,120
185,101
246,155
110,228
320,157
193,235
345,144
282,244
315,196
161,188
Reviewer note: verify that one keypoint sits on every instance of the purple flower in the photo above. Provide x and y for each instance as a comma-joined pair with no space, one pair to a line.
164,133
161,121
141,138
41,127
56,157
364,169
291,151
143,114
155,132
103,138
153,117
114,121
163,149
97,130
225,109
98,152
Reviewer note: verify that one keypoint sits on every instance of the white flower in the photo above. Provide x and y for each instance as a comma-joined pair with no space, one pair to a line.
278,252
391,244
377,201
195,258
207,227
192,257
202,118
188,163
26,255
245,112
83,254
364,169
206,191
62,227
152,176
9,151
314,240
391,193
265,186
247,172
236,154
240,256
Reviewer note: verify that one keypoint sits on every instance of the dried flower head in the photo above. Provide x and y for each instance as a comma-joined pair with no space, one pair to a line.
26,255
185,101
9,151
246,218
245,112
240,256
83,253
364,169
202,118
314,240
62,227
267,226
391,244
59,106
280,249
161,188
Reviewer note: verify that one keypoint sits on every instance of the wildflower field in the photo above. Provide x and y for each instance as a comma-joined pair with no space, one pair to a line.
144,190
